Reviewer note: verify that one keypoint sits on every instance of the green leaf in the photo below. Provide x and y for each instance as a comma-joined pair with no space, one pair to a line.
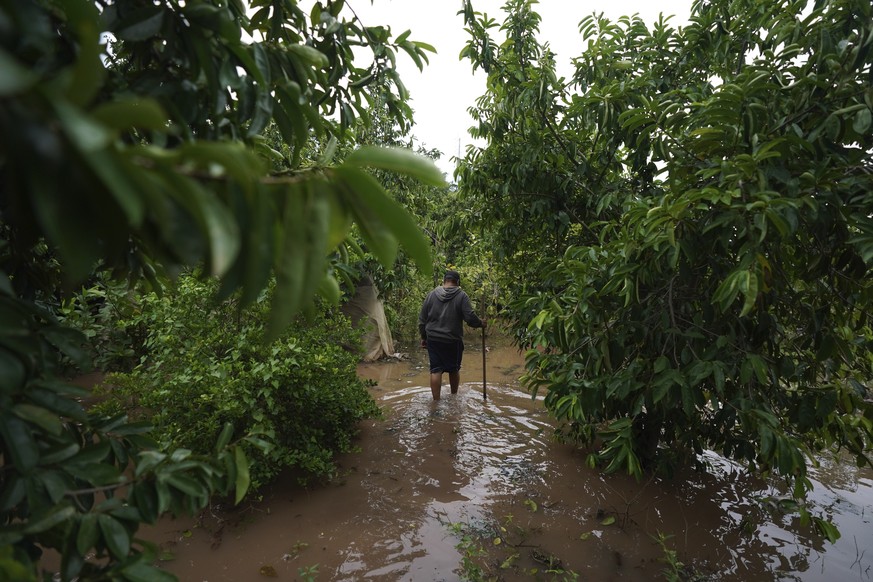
69,341
12,373
215,221
19,442
248,63
141,24
224,437
88,533
45,520
13,77
139,427
400,160
368,199
59,453
242,474
242,164
88,71
97,475
51,396
141,571
9,535
39,416
609,520
862,121
82,130
56,483
13,492
827,529
115,536
187,485
749,286
311,56
91,454
376,234
127,112
148,460
291,260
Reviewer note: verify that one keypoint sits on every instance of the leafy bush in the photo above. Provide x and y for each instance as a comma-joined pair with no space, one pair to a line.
206,365
100,311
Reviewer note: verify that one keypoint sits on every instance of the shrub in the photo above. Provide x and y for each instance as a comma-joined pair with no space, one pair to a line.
205,364
101,310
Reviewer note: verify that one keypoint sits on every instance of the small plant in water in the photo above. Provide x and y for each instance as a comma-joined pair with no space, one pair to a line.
308,573
471,552
490,552
676,570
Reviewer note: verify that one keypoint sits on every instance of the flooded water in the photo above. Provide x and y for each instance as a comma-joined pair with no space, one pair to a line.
435,484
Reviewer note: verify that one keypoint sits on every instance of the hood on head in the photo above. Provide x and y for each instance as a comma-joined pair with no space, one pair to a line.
447,293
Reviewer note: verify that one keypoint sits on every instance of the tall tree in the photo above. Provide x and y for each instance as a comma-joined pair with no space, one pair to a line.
725,301
131,141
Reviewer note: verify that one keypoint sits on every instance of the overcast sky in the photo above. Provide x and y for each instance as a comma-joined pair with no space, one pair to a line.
441,94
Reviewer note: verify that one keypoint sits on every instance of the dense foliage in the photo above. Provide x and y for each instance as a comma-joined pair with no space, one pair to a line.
703,200
205,365
131,144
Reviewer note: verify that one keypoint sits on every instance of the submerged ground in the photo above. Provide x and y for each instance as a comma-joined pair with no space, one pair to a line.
464,488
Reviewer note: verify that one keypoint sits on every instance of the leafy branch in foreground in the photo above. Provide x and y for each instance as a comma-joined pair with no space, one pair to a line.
130,143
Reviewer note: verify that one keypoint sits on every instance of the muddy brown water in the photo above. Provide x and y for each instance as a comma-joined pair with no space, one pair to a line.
530,504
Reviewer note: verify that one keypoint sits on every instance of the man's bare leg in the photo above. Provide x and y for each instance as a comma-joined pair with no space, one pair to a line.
454,381
436,384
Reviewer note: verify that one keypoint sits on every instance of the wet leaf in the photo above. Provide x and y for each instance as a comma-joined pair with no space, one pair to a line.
827,529
508,562
584,536
608,521
268,571
497,541
531,505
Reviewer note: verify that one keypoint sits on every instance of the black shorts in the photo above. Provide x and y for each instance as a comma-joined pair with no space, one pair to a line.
445,356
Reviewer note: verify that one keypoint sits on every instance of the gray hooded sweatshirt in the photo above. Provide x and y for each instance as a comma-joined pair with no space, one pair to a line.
443,313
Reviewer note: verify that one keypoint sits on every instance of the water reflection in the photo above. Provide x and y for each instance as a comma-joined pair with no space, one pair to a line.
493,465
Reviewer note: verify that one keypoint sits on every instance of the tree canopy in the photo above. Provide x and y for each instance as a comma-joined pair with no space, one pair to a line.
699,201
132,142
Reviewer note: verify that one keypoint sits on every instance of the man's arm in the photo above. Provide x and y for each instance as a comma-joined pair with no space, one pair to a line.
468,314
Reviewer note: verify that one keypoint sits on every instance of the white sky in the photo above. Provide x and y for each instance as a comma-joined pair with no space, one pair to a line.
441,94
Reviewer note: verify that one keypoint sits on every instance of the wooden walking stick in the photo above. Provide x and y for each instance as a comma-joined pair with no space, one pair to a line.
484,389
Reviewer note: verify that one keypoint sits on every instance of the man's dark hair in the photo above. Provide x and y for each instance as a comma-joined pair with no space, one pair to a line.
452,276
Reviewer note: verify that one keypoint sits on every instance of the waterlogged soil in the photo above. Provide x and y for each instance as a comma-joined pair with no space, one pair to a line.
466,487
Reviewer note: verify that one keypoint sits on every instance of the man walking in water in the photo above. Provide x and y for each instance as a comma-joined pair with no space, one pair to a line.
440,325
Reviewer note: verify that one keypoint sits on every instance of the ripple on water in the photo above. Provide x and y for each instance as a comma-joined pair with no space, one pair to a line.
464,460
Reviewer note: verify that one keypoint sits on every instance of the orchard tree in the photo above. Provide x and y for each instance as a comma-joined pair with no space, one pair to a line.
720,181
131,143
